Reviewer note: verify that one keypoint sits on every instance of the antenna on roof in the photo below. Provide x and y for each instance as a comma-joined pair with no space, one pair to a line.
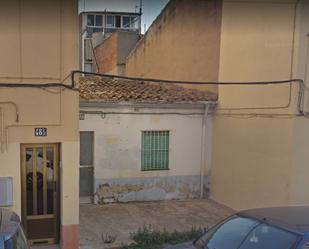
140,16
141,7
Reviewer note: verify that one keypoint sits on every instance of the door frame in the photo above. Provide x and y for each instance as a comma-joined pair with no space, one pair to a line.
56,194
88,199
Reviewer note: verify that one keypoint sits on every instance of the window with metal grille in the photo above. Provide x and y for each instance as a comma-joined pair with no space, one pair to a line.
155,150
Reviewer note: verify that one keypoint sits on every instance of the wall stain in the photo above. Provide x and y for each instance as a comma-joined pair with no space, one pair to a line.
143,191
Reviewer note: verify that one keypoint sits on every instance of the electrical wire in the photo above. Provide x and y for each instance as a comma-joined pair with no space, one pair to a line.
302,86
144,113
305,78
234,115
255,115
274,82
32,85
65,78
52,91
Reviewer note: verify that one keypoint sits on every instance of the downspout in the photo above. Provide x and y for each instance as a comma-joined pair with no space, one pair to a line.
203,150
2,129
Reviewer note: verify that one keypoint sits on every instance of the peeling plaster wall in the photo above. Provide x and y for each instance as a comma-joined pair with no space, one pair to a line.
117,153
148,189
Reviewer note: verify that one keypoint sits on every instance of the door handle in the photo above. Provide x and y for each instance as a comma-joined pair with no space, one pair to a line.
55,186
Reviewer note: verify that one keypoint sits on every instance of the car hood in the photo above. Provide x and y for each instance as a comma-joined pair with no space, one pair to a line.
188,245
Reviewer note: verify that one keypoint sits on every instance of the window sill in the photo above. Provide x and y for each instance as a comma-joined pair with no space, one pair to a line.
154,169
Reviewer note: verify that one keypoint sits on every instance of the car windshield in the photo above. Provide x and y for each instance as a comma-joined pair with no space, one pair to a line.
246,233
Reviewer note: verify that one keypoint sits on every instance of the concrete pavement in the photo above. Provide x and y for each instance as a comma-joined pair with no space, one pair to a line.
120,220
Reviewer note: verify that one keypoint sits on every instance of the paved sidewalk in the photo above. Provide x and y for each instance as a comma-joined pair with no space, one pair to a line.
121,220
45,247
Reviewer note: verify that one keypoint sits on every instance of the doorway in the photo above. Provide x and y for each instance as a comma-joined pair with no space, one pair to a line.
40,192
86,170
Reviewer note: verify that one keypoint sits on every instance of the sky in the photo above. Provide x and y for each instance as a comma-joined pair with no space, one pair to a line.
151,8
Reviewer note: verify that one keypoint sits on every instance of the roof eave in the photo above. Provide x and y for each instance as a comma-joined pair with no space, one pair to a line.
111,12
100,104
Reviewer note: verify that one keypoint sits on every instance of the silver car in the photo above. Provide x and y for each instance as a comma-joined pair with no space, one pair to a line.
264,228
11,233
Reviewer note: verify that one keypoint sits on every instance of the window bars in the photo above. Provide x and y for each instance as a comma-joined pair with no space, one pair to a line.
155,150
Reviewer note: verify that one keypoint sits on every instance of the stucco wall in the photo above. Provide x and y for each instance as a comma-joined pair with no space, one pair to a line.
182,44
40,44
126,42
300,170
106,54
112,52
39,41
253,154
117,155
12,162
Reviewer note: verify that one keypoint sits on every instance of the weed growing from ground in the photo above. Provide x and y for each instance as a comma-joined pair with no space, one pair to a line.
148,238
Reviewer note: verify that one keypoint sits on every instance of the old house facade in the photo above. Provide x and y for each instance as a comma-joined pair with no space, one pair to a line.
39,118
143,141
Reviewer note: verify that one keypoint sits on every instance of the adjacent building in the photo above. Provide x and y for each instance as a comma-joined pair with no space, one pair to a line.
112,52
260,138
39,134
183,43
143,141
260,133
101,24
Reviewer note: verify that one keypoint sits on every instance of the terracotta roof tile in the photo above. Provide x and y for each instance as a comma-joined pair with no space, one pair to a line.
119,90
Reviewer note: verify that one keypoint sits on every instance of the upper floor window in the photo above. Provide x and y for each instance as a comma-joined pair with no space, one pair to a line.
113,21
118,21
129,22
110,21
90,20
125,22
94,23
95,20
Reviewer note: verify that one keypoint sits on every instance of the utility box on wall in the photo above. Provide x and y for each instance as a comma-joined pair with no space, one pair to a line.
6,191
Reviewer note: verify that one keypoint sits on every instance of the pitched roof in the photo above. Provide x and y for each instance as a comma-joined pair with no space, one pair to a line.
111,90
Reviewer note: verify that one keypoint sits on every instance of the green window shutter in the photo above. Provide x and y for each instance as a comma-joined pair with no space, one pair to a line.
155,150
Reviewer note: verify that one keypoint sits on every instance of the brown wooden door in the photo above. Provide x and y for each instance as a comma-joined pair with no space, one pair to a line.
40,191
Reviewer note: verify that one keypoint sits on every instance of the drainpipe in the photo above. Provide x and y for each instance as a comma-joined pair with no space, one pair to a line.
2,129
203,150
